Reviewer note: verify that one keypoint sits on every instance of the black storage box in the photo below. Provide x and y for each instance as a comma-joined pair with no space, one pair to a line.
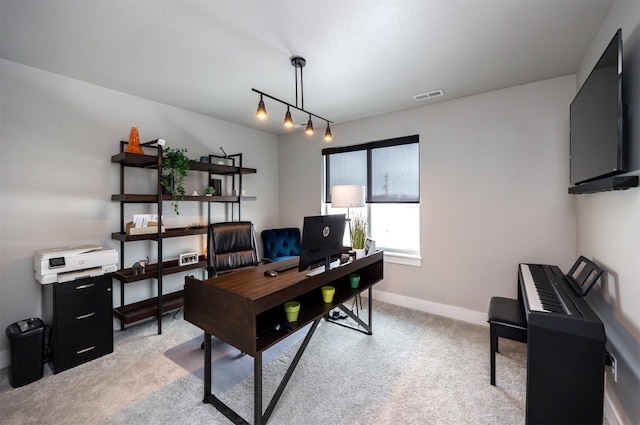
26,351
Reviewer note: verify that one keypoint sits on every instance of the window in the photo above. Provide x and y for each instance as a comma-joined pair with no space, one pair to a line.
389,170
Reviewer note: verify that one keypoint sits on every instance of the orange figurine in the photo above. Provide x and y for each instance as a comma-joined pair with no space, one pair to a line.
134,142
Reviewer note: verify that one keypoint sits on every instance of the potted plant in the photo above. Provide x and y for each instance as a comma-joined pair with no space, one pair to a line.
174,169
209,191
358,235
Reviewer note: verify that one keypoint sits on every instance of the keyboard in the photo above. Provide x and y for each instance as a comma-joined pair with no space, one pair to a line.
540,290
286,267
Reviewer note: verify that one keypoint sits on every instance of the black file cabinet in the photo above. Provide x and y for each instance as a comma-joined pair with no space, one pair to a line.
79,313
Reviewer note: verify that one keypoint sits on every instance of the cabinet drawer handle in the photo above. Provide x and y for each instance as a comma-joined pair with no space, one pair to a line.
84,316
86,349
88,285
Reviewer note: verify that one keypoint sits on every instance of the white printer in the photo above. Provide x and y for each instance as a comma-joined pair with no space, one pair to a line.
73,262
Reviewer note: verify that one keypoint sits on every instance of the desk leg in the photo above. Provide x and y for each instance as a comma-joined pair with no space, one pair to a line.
258,417
367,328
207,366
289,372
257,389
212,399
370,310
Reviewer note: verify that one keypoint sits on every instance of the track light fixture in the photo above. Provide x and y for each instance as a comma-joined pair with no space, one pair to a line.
262,111
309,129
327,134
298,63
288,121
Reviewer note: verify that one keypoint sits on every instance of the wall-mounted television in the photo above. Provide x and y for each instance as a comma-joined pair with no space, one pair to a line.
597,143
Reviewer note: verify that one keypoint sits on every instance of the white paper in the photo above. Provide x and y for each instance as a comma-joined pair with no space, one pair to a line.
142,220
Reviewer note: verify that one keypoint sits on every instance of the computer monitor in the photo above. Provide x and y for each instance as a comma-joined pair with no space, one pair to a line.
321,240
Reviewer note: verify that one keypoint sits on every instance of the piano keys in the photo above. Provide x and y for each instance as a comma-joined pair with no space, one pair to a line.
565,347
536,282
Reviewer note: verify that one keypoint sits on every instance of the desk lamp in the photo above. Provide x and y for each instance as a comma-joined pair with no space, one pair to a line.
347,196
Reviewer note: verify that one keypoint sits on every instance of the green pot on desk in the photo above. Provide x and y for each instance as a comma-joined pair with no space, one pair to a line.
327,293
291,309
354,280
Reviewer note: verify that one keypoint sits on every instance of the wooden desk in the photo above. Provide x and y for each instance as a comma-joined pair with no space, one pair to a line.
243,308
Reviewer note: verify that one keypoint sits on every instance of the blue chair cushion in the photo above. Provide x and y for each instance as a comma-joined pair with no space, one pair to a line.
280,244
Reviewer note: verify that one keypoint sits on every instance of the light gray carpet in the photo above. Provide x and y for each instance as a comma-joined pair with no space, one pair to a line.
229,364
416,368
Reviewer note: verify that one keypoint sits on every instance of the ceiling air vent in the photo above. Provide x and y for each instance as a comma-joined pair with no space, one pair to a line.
430,95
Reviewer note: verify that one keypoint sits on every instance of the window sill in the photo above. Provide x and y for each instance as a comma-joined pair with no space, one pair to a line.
414,260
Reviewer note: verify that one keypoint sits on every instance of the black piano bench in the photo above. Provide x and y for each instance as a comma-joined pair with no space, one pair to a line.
506,319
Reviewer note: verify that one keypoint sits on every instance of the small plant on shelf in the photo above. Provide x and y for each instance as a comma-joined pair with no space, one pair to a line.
174,169
209,191
358,232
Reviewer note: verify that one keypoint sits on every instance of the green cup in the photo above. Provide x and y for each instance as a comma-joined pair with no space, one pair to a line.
354,280
291,309
327,293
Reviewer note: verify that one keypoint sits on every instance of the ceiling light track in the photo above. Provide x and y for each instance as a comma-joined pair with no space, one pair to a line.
290,105
298,63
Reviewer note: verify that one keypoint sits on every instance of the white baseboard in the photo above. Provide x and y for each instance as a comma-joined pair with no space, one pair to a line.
463,314
612,410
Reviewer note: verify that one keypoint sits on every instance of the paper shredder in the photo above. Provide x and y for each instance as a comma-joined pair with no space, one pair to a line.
26,351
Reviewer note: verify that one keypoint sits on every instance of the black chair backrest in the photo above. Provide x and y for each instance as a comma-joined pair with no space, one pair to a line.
232,245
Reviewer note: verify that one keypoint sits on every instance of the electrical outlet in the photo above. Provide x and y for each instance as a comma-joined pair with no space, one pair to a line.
614,367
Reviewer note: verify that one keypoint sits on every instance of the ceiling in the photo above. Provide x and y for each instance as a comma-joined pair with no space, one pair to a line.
364,57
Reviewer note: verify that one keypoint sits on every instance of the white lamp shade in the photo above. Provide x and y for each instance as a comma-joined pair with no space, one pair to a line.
347,196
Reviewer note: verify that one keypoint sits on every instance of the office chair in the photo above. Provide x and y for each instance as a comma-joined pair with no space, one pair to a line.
231,247
280,244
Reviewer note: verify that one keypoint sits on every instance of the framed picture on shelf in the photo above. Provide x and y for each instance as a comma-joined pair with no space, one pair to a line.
369,247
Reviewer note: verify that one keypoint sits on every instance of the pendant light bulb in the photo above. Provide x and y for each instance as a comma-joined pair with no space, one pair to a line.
288,121
309,129
261,113
327,134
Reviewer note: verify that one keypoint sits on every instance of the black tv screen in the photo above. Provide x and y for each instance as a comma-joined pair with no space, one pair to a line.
321,240
596,120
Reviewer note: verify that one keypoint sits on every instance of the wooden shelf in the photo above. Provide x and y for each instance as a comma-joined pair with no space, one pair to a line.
135,160
223,170
146,198
168,233
148,308
151,270
131,313
151,161
311,307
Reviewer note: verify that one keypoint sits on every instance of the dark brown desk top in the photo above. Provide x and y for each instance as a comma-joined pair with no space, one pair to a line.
253,285
235,306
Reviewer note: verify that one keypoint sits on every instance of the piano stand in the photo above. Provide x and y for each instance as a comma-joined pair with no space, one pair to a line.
506,319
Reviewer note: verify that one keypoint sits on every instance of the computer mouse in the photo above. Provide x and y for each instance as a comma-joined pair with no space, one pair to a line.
271,273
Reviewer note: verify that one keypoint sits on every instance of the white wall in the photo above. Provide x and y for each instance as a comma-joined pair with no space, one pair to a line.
608,227
56,178
494,177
